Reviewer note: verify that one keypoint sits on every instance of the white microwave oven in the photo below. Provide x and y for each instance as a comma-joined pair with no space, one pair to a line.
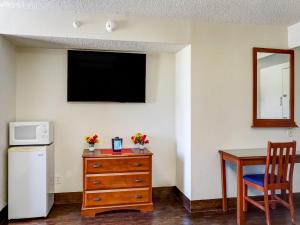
30,133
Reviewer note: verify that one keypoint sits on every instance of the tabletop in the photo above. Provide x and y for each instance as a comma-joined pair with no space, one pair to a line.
126,152
250,152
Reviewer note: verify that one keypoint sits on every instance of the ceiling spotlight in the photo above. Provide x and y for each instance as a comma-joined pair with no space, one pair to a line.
76,24
110,26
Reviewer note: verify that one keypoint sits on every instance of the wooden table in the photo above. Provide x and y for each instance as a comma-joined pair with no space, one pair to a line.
241,157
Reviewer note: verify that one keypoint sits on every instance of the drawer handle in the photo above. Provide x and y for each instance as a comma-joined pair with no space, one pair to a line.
96,199
138,180
138,164
139,196
96,182
97,165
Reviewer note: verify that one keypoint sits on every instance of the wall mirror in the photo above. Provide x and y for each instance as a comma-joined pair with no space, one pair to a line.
273,88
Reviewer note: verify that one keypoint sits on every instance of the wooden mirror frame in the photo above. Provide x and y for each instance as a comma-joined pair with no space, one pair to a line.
273,122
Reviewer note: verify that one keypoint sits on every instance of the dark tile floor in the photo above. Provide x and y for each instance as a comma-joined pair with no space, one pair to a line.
168,211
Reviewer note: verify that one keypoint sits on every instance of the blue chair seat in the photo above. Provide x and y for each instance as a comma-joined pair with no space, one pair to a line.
258,179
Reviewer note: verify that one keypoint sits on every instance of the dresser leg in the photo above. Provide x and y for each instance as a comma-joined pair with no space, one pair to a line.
88,213
91,212
145,209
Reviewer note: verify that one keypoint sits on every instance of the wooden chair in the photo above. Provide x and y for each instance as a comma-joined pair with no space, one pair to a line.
278,176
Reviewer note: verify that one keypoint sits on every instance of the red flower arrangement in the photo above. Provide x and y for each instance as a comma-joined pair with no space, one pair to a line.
92,139
139,138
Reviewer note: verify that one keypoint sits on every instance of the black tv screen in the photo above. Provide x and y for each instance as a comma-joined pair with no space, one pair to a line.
106,76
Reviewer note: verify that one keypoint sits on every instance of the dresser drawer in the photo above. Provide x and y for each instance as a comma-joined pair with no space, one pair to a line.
117,180
117,197
118,164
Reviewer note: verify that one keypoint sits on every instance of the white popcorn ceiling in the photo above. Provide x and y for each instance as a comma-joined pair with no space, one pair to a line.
273,12
96,44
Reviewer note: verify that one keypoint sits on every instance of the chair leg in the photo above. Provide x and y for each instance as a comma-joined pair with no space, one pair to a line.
273,205
245,194
283,195
292,208
267,207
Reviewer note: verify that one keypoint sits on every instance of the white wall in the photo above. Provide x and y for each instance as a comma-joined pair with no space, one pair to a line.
183,120
41,95
222,100
7,106
59,24
294,35
221,93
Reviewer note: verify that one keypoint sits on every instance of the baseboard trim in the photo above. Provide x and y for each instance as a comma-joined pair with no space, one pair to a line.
215,205
4,215
186,202
67,198
168,192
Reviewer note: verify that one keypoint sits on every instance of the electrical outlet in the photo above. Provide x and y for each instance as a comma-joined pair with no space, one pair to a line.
290,132
57,180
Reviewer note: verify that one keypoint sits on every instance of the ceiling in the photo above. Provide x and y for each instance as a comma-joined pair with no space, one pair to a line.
97,44
273,12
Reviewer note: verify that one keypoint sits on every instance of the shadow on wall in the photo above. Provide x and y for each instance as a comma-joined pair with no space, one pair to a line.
152,66
231,168
167,155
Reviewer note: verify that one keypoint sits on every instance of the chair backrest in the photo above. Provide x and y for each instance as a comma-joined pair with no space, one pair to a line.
280,163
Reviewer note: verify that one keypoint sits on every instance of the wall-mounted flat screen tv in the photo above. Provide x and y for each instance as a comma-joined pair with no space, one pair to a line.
106,77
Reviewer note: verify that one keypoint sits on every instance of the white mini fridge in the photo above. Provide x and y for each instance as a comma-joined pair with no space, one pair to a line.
30,181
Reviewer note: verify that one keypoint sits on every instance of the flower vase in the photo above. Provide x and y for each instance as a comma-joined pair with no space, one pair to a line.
91,147
141,146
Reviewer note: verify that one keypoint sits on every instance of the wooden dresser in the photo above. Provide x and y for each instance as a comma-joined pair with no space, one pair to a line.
116,181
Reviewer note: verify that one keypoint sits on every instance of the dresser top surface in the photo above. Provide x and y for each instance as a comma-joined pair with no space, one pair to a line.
126,152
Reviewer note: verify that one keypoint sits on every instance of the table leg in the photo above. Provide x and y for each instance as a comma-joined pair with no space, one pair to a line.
224,190
239,203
